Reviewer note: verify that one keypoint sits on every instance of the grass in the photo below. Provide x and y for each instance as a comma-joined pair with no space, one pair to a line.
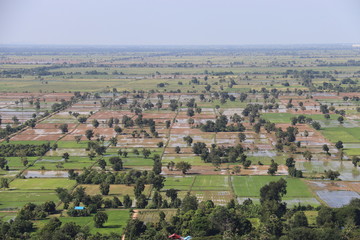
17,199
73,163
180,183
119,190
347,135
41,184
249,186
152,215
15,162
286,117
194,161
117,219
211,182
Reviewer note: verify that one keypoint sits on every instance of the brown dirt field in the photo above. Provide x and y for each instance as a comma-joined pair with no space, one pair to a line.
108,114
28,137
53,126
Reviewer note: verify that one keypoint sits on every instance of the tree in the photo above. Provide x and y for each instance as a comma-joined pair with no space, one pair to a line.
170,165
82,119
299,219
134,229
188,140
3,162
242,137
341,119
113,141
157,200
141,201
99,219
270,199
190,112
64,128
157,167
190,202
116,163
66,156
78,138
339,145
177,149
158,182
273,168
236,169
118,129
326,217
95,123
139,187
307,155
89,134
332,175
102,164
290,162
146,152
316,125
127,201
24,161
160,144
247,163
326,148
104,188
355,160
306,133
183,166
167,123
4,183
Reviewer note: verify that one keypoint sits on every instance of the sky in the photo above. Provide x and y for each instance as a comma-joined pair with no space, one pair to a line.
179,22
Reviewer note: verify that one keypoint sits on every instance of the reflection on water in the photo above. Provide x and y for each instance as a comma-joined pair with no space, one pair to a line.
337,198
46,174
346,169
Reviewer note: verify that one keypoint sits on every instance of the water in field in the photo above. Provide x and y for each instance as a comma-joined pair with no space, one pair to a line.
346,169
337,199
263,154
50,160
45,174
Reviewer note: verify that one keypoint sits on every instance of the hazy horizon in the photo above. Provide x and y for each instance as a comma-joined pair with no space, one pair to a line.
179,23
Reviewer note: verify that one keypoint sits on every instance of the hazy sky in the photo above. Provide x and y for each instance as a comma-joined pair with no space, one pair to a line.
179,22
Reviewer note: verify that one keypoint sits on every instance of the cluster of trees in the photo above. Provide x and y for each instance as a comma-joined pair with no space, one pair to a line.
89,176
221,125
54,229
22,150
220,154
204,219
92,203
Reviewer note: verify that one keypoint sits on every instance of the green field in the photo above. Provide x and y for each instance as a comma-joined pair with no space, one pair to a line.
117,220
41,184
249,186
286,117
346,135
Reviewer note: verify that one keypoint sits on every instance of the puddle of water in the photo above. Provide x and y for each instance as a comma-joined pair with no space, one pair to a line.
263,154
46,174
337,199
345,168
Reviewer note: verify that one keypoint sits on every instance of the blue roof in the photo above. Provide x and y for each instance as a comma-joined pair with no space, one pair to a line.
79,208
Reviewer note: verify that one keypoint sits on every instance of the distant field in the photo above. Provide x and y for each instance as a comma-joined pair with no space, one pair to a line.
41,184
286,117
249,186
346,135
117,220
